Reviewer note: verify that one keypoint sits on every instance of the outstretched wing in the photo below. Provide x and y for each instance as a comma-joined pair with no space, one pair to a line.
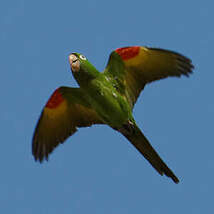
130,68
66,110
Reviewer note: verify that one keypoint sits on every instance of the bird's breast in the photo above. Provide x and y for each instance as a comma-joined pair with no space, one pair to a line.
109,104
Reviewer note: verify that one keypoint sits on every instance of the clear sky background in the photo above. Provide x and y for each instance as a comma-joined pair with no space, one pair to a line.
96,170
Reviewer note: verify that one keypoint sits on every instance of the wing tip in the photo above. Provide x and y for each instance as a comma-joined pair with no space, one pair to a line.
185,66
38,154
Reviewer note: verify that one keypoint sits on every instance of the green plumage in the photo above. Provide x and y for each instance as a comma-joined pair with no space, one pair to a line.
107,98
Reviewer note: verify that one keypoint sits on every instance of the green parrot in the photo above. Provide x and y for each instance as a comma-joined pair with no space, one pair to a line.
107,97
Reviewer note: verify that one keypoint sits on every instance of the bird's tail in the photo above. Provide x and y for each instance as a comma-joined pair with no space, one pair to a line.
137,138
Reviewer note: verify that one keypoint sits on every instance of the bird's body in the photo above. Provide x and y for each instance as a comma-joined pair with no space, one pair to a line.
107,98
107,102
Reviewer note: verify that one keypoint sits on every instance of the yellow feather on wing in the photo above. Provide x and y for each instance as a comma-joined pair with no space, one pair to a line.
65,111
136,66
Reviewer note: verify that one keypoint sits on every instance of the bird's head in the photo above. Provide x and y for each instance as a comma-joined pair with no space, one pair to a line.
81,68
77,62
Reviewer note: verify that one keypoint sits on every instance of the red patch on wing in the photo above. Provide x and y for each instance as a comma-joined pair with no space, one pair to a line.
55,100
128,52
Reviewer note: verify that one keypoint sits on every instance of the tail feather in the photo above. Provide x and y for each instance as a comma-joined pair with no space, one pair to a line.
140,142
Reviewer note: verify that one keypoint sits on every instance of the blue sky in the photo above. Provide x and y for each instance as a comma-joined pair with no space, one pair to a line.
97,170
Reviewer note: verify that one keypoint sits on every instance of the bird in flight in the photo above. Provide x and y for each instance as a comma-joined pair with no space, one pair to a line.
107,97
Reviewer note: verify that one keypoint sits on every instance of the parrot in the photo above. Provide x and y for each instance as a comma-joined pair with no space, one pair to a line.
108,98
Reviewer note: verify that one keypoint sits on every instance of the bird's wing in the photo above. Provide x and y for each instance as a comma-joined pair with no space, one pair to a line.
66,110
131,68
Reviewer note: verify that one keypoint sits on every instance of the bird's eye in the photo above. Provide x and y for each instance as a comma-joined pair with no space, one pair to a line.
82,57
